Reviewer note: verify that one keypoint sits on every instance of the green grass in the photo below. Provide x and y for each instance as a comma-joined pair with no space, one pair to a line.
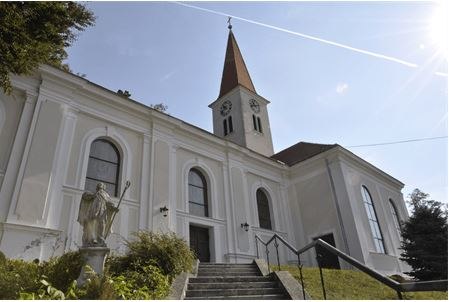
352,285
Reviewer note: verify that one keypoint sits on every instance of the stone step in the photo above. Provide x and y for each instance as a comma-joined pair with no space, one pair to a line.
221,279
226,265
228,270
233,292
228,274
232,285
247,297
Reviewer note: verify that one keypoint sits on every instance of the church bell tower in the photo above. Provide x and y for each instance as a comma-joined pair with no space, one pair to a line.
239,114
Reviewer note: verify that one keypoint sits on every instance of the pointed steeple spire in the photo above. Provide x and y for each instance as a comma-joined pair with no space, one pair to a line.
234,70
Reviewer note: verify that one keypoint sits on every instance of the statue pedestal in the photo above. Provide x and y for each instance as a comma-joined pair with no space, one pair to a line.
95,258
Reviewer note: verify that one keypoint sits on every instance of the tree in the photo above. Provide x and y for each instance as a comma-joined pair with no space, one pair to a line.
424,238
32,33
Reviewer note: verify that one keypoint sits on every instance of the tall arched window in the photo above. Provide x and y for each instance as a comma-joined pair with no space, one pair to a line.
198,204
103,166
225,127
255,122
228,127
231,127
263,209
373,222
394,212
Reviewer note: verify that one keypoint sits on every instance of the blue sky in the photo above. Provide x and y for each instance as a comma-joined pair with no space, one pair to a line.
165,52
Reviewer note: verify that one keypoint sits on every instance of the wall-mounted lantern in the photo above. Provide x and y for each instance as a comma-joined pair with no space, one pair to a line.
245,226
164,211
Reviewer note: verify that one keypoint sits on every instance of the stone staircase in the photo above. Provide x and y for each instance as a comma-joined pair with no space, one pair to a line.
233,282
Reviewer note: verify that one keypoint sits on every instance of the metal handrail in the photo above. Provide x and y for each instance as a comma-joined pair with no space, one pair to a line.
437,285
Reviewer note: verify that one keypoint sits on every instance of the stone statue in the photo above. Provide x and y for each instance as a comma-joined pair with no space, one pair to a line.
95,215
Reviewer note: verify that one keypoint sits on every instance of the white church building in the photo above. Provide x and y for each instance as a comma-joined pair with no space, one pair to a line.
60,134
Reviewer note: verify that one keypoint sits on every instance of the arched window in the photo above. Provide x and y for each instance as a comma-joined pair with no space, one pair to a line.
103,166
373,222
394,212
257,124
198,204
263,209
225,127
228,127
231,127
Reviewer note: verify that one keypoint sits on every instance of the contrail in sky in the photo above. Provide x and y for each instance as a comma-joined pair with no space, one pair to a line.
366,52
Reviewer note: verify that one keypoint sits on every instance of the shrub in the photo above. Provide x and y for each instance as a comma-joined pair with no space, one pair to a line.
147,283
97,287
61,271
17,276
142,283
48,292
2,259
168,252
145,272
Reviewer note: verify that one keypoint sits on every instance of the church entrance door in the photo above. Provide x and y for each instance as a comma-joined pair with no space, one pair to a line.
199,242
328,259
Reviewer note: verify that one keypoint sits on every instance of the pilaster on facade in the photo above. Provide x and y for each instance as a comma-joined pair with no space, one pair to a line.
231,202
150,209
12,216
172,202
230,238
334,167
145,182
288,212
52,212
12,172
246,201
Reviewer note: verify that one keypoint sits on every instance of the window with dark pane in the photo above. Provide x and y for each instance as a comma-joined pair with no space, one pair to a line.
225,127
198,204
263,209
373,221
394,212
259,123
231,127
103,166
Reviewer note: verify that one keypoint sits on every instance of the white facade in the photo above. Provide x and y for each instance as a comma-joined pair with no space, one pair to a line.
47,127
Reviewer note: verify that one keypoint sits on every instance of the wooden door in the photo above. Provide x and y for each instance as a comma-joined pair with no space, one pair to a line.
328,259
199,243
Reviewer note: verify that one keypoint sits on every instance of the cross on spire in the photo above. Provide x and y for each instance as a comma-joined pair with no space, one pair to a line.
229,23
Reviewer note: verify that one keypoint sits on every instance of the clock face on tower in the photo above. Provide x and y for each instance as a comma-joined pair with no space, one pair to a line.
254,105
225,108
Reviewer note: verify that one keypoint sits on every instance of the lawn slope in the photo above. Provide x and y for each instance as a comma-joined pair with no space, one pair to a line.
352,285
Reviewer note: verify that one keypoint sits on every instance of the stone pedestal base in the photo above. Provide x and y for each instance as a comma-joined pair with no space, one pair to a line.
95,258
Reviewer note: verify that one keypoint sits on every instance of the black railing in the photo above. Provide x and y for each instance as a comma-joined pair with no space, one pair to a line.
437,285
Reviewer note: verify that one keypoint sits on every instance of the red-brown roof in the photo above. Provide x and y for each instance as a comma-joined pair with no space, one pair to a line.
234,70
300,152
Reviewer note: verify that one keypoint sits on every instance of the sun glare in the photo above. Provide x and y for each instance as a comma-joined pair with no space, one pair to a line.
438,28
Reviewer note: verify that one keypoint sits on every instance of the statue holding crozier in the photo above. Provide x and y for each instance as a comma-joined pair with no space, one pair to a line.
96,215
